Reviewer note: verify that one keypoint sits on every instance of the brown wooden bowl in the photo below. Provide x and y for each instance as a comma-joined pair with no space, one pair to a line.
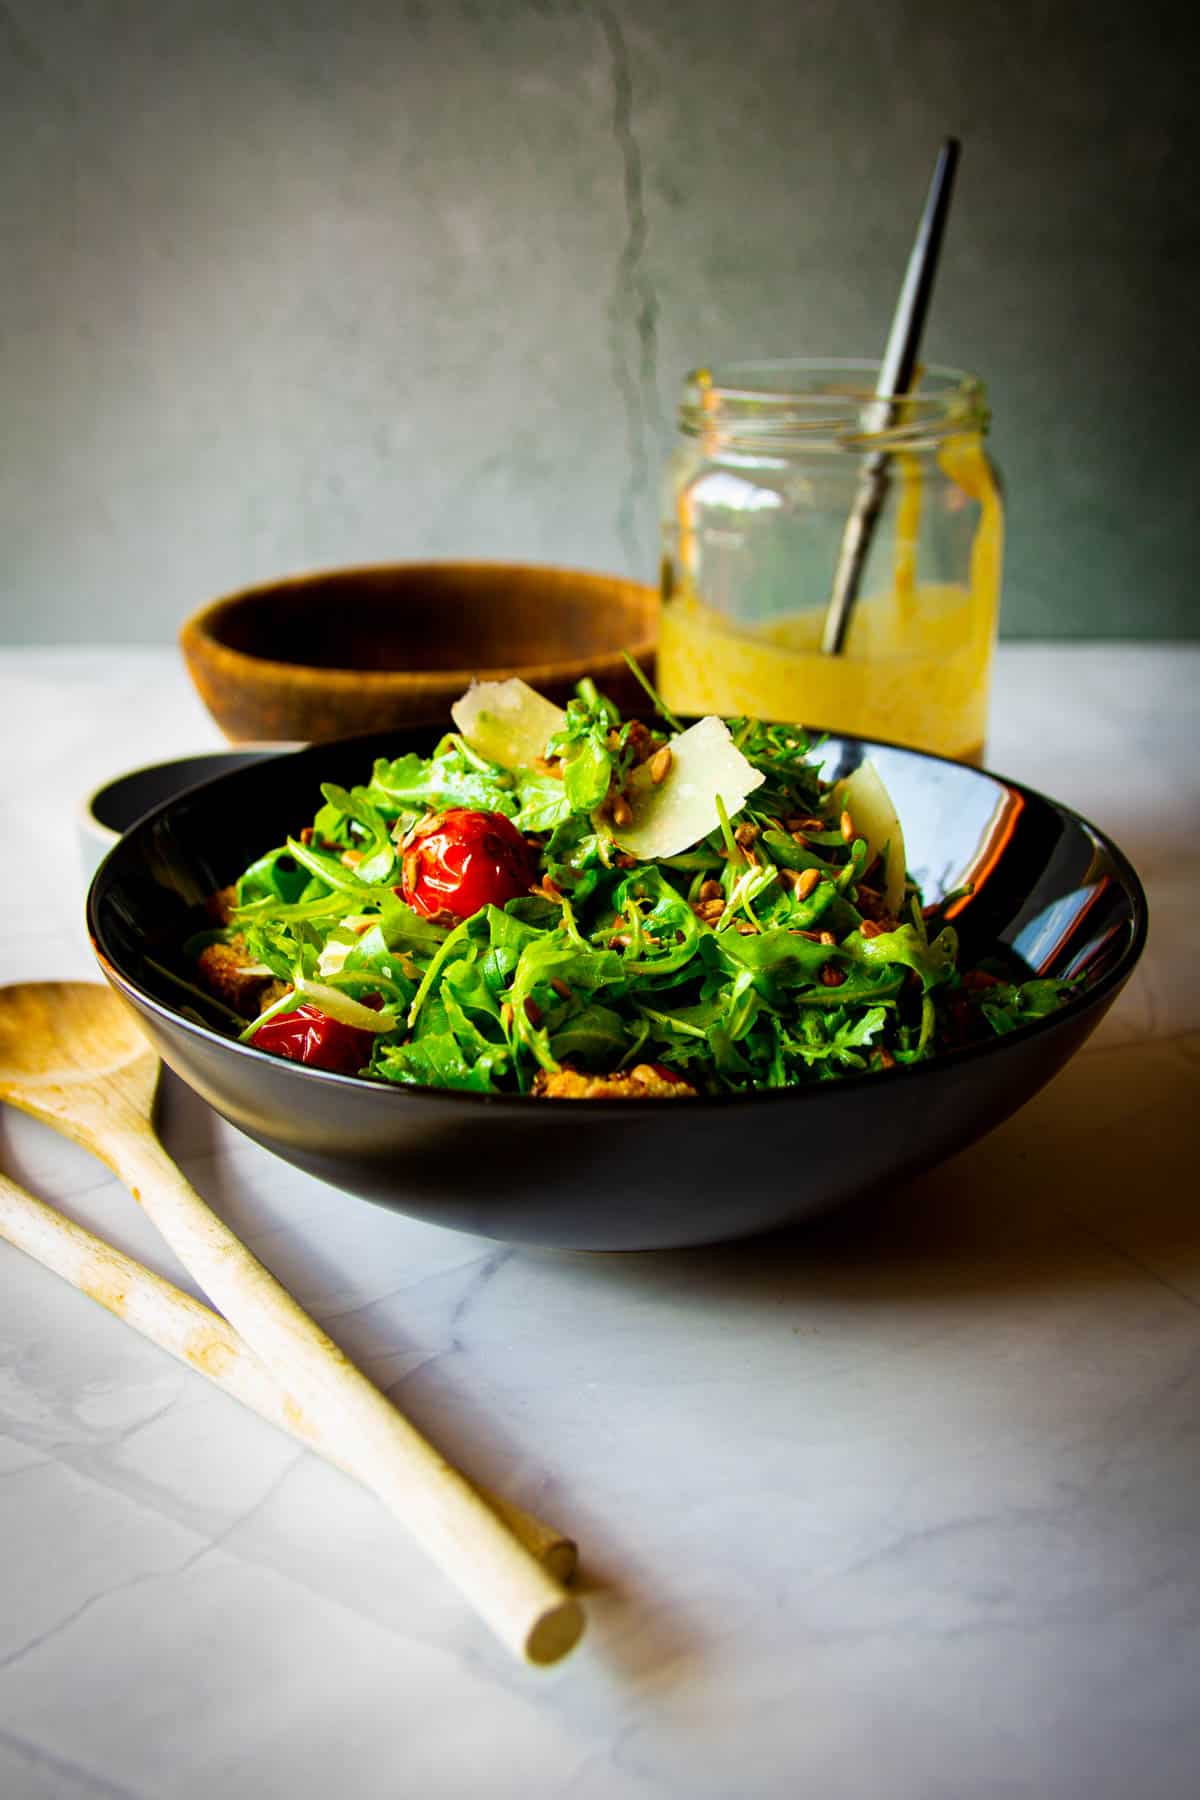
351,650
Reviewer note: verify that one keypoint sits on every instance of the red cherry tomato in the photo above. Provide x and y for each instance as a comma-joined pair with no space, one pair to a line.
460,861
310,1036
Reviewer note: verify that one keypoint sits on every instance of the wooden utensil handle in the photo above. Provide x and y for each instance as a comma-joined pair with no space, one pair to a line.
523,1604
201,1338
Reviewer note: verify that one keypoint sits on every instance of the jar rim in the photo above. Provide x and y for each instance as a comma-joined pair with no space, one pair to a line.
828,400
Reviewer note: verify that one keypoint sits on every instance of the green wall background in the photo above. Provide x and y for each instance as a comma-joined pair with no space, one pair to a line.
290,284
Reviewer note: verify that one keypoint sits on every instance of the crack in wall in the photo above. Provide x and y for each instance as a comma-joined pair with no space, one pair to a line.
633,309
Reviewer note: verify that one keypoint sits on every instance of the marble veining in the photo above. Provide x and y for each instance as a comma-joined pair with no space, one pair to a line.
904,1503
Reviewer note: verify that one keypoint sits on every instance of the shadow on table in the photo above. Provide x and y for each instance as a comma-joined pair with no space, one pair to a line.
1089,1189
1093,1179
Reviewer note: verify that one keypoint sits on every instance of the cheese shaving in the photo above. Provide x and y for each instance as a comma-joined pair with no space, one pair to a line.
507,721
875,818
670,818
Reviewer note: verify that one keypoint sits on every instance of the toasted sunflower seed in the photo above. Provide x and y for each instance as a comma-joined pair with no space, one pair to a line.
660,764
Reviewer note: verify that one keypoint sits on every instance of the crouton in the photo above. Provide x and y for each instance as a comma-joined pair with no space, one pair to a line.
228,972
219,906
648,1081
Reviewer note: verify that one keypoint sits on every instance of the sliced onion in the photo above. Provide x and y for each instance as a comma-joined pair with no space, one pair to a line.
344,1007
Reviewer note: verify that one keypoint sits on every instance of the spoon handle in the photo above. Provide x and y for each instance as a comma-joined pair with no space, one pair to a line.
200,1338
895,378
526,1608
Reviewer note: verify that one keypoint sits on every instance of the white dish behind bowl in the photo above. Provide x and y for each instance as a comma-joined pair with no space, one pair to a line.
111,809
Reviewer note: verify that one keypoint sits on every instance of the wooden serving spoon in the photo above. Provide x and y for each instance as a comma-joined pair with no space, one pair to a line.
72,1055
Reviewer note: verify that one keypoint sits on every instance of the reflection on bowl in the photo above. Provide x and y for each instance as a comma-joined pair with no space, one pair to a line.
354,650
636,1174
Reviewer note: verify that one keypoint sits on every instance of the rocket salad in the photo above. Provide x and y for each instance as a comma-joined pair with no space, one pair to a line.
572,904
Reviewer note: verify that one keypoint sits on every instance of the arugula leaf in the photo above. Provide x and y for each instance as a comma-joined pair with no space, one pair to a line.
275,876
595,1036
379,859
839,1044
788,958
436,1060
456,944
1007,1006
667,931
413,785
934,961
552,958
581,743
544,803
329,869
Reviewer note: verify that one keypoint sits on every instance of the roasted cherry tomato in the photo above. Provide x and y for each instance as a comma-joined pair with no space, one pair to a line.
310,1036
459,861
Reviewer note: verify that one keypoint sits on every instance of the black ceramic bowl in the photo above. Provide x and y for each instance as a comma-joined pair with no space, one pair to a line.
635,1175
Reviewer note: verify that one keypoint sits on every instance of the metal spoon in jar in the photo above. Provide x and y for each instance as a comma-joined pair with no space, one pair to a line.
895,378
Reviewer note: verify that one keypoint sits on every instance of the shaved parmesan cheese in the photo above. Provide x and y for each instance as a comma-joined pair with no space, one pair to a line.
672,817
332,957
507,721
873,810
334,951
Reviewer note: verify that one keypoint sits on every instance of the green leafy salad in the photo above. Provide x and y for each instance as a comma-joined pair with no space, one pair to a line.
574,905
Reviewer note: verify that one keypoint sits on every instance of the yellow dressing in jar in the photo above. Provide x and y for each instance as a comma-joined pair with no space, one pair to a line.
757,499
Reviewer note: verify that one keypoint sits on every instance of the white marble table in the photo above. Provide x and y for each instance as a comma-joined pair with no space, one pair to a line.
904,1505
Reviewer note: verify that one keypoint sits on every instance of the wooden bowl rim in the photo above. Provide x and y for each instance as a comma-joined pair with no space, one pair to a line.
195,634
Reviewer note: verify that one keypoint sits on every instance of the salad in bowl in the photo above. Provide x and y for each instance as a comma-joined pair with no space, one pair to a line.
569,904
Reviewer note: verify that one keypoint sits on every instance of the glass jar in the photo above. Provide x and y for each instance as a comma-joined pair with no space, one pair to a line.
756,501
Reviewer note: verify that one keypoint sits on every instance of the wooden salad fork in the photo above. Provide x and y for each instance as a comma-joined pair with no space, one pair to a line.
72,1056
200,1338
